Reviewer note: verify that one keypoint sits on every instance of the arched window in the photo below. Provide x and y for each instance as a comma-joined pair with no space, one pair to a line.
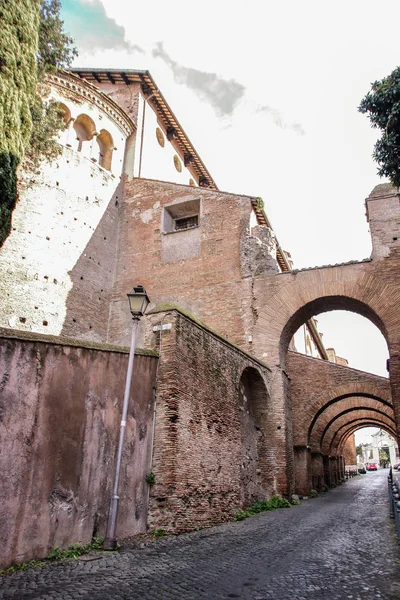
64,112
84,128
106,147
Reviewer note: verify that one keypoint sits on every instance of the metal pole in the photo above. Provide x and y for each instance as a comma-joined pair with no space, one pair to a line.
110,541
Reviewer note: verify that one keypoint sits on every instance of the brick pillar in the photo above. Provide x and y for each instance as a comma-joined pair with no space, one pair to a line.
282,417
394,372
340,461
317,470
302,470
327,472
332,470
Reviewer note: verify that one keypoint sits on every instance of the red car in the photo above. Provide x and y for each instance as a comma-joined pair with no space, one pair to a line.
372,467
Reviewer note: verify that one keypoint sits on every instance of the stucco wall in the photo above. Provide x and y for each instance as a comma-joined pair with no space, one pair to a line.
57,266
59,418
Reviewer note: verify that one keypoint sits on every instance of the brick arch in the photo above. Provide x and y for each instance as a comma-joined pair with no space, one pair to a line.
348,405
307,409
333,436
257,436
353,428
295,296
327,304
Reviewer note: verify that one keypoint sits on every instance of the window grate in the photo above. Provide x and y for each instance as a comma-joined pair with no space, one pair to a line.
186,223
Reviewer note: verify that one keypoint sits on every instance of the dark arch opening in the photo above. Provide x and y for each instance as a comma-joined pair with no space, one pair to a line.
253,407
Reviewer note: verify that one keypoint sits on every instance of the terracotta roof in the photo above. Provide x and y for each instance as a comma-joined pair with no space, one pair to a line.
150,90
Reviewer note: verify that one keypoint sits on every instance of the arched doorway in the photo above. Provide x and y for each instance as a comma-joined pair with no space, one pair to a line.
258,466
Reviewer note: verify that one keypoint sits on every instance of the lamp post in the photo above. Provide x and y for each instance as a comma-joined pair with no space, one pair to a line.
138,302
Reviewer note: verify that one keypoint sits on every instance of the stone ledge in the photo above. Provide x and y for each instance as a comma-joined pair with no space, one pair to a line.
185,313
30,336
344,264
339,366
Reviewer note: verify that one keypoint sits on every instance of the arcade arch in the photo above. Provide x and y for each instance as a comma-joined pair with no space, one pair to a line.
332,437
257,461
329,414
328,417
322,305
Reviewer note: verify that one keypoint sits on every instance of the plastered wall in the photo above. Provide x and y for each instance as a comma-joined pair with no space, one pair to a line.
60,410
56,267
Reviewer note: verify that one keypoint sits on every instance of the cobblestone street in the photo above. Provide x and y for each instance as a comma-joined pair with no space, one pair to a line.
341,545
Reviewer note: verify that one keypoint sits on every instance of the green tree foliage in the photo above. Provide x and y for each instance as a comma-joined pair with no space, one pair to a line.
19,33
382,105
32,45
55,51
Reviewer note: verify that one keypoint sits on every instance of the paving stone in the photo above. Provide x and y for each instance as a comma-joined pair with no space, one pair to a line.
339,546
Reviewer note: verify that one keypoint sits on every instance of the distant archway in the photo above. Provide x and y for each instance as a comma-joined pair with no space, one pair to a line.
327,304
331,441
327,417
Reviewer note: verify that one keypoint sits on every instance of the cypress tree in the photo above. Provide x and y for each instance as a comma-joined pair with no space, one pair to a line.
32,45
19,34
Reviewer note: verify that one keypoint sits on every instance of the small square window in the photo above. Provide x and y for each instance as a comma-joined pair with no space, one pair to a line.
181,216
186,223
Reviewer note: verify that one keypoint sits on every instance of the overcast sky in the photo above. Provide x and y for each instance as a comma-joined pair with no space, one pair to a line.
268,93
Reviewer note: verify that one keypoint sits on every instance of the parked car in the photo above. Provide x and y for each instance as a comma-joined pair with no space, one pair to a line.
371,466
361,468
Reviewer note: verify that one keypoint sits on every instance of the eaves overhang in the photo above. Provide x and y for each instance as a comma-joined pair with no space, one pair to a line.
171,124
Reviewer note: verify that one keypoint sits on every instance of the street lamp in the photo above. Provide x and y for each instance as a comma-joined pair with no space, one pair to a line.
138,302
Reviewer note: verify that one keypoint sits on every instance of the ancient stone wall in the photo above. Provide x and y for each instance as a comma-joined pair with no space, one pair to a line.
61,251
216,448
204,268
60,411
383,214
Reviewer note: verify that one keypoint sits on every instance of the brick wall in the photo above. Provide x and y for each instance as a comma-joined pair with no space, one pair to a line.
216,448
204,270
60,409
